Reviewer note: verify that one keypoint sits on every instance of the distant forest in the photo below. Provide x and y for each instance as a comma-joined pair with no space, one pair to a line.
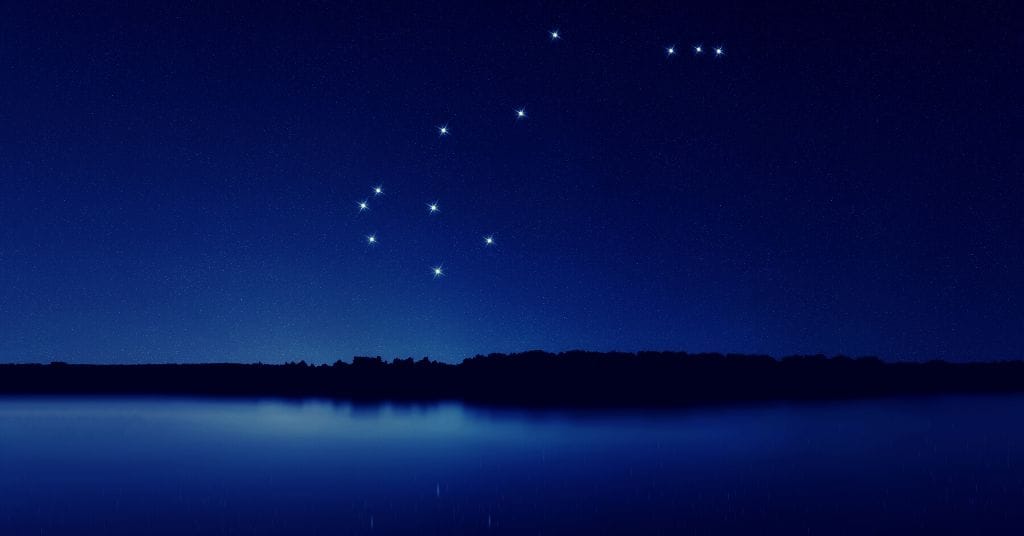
577,378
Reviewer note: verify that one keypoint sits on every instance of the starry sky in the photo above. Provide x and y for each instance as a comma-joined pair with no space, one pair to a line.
181,183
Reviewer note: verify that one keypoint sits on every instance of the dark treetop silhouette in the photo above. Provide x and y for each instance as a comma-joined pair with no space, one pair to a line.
574,378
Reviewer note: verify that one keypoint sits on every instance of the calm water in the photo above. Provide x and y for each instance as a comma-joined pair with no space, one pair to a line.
184,466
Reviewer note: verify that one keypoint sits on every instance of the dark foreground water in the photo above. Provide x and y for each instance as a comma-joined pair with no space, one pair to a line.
184,466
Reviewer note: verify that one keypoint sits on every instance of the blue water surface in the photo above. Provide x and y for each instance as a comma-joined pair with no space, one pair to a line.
202,466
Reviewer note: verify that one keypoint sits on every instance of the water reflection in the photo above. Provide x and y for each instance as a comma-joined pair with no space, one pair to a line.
176,466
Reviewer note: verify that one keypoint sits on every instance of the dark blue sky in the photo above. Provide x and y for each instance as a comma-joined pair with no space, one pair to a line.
179,184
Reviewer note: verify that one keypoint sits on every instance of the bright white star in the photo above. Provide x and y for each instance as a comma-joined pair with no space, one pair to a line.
438,271
719,51
554,35
489,240
378,190
433,207
698,49
670,50
371,239
521,113
363,205
442,130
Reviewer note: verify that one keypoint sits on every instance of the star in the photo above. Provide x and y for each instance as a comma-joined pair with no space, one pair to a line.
489,240
719,51
698,49
371,239
670,50
442,130
433,207
363,205
378,190
521,113
554,35
438,271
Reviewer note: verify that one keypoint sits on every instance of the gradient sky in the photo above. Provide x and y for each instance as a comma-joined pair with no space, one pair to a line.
180,183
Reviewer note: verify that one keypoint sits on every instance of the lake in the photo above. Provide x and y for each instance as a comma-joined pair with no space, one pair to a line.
188,466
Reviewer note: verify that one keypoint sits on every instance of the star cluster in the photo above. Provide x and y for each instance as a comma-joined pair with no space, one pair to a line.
434,207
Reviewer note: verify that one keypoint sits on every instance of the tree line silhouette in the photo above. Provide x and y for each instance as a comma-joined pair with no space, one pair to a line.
535,378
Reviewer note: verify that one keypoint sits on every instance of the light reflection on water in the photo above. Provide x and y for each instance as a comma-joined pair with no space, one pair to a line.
179,466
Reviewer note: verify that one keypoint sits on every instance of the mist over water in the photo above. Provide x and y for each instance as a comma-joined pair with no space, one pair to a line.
180,466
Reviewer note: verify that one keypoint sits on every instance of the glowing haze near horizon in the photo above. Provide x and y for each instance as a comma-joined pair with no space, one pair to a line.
183,184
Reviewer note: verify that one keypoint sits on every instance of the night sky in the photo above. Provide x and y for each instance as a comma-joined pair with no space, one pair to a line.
181,184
